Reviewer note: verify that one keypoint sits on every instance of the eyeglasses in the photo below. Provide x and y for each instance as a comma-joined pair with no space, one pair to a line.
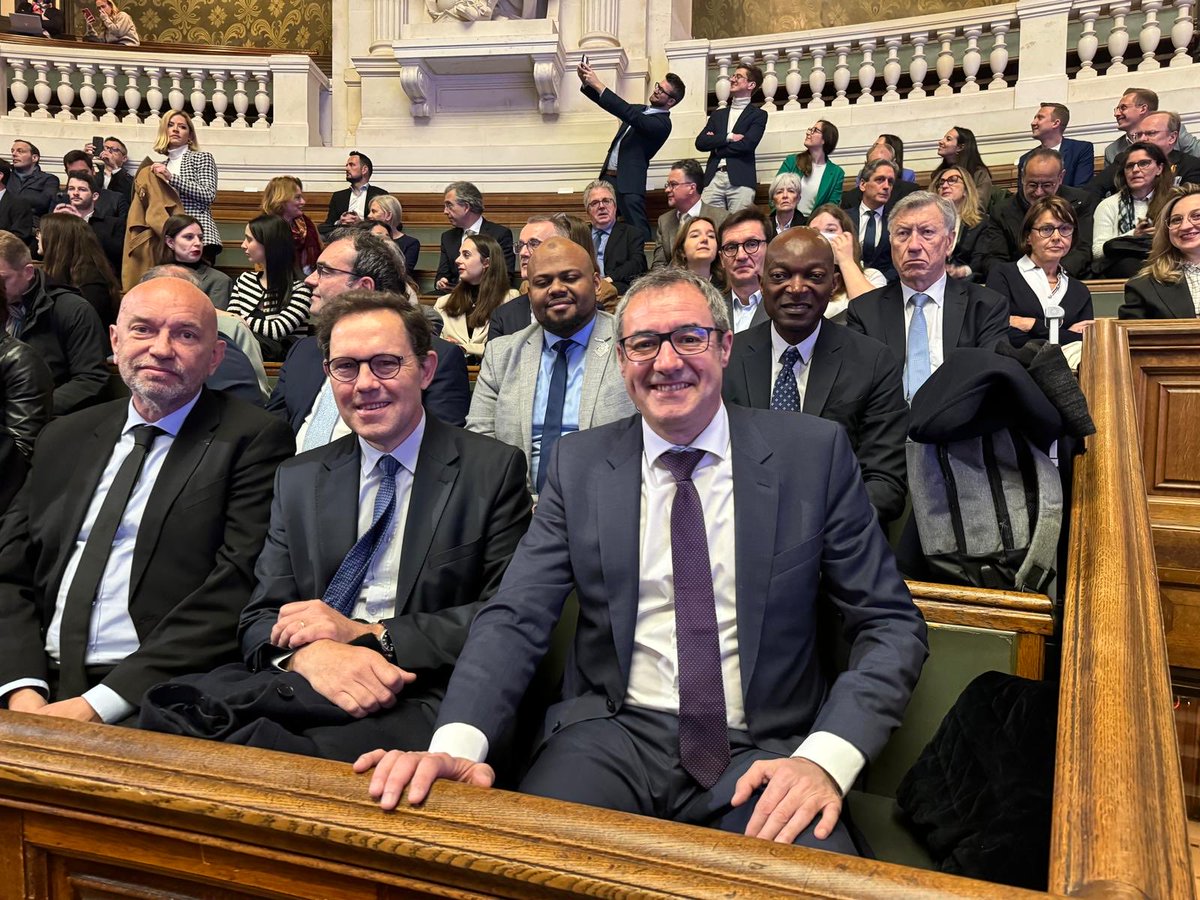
659,89
1045,187
1192,218
816,129
324,271
671,185
1046,231
532,244
689,340
737,76
1138,164
731,249
601,201
1145,135
950,179
383,366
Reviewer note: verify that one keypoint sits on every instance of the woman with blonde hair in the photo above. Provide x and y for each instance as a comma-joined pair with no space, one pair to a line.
72,255
695,249
482,287
854,281
387,210
284,197
1168,287
115,27
978,243
191,172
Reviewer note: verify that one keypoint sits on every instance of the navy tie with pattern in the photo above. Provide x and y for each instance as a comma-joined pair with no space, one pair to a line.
342,592
785,395
703,740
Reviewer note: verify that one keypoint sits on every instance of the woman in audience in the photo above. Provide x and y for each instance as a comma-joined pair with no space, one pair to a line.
482,287
71,254
785,194
978,243
284,197
26,391
820,180
192,173
387,209
893,143
411,288
1037,281
273,300
580,232
695,249
1144,181
115,27
1169,286
958,148
183,245
854,281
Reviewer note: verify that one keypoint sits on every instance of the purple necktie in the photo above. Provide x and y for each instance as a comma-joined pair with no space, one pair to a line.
703,741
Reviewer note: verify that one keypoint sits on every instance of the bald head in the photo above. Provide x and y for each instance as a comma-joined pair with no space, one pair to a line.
165,343
562,286
798,280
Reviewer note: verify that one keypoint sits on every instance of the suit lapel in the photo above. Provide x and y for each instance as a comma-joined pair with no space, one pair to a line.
187,450
1177,298
893,320
335,509
756,367
528,368
618,499
954,314
822,369
756,507
437,470
598,355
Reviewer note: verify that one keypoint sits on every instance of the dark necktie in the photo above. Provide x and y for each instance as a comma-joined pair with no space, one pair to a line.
81,595
343,589
786,395
556,399
869,237
703,740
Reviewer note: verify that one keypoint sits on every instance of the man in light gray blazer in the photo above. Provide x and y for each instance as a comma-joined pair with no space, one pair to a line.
558,375
685,181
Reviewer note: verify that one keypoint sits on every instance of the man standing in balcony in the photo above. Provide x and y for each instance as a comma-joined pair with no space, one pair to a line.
644,129
1078,157
29,182
731,136
350,206
1135,104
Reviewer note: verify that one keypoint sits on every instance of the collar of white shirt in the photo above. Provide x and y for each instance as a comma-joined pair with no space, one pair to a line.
474,227
806,346
170,423
360,189
693,212
863,209
751,301
714,439
405,453
935,292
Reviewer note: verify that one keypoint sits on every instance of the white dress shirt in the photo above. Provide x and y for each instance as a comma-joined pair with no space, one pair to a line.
1035,277
801,369
743,313
933,312
862,223
474,227
358,199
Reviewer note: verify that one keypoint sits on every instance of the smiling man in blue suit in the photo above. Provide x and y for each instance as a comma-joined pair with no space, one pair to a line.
698,538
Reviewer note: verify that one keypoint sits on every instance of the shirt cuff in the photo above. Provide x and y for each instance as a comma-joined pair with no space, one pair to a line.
12,686
837,756
461,740
108,704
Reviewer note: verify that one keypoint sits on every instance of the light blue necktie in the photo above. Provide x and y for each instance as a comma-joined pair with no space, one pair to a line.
343,589
324,420
917,370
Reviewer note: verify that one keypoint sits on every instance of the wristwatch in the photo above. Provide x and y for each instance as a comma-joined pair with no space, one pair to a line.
386,645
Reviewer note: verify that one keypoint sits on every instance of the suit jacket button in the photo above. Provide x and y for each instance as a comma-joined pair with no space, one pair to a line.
286,691
557,726
608,701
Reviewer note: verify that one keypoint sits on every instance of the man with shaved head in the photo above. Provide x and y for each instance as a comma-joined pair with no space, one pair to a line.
559,375
129,553
798,362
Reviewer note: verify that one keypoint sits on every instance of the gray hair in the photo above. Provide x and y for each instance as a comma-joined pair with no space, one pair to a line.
560,226
598,185
918,200
466,193
668,277
170,270
785,179
874,165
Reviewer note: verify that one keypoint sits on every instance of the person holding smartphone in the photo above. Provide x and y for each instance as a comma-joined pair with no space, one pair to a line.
114,27
52,17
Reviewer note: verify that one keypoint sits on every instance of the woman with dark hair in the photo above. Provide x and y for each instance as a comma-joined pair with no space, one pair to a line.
837,227
273,299
191,172
1037,282
820,180
387,210
183,245
695,249
978,243
26,398
1124,221
896,145
959,148
482,287
284,197
71,254
1169,286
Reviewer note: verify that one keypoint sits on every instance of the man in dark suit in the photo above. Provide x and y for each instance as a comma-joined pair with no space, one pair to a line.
694,691
852,198
1162,129
29,182
644,129
350,206
83,200
742,243
1078,157
110,160
730,137
16,216
620,249
1043,177
517,314
361,261
403,529
132,564
463,205
109,203
870,207
952,313
802,363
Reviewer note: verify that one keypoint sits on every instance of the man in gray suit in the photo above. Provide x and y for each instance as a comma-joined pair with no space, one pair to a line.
561,369
684,183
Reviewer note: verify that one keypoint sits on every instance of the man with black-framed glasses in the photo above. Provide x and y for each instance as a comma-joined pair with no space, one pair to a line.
382,547
644,129
730,136
742,243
